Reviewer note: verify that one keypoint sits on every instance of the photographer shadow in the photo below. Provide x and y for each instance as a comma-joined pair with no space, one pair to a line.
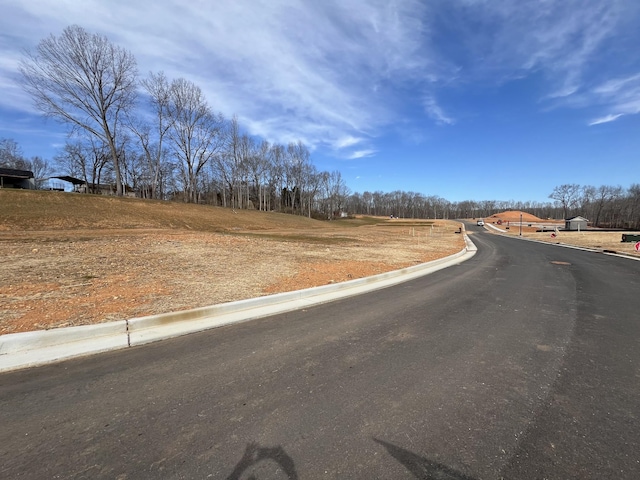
255,455
420,467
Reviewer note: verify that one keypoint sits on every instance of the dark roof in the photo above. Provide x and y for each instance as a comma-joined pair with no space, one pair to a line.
66,178
577,219
13,173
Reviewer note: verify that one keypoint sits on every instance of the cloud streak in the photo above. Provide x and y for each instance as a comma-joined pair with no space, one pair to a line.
607,119
337,74
436,112
324,64
621,96
361,154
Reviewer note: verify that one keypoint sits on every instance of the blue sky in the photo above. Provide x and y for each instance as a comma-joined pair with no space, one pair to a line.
465,99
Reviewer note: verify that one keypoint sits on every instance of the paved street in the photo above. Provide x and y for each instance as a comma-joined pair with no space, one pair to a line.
521,363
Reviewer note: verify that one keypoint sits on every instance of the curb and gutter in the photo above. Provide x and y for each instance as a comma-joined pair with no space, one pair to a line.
29,349
499,231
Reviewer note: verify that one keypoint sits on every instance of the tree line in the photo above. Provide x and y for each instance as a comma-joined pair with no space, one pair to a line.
159,137
604,206
305,191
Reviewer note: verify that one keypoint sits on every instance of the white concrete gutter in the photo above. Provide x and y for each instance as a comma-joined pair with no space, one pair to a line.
565,245
22,350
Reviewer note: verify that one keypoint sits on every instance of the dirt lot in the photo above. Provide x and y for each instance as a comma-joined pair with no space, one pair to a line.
56,278
610,241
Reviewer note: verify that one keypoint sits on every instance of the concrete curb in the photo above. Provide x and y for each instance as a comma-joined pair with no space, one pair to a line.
567,245
22,350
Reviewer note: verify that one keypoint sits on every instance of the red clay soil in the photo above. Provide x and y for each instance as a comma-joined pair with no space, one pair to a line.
64,278
514,216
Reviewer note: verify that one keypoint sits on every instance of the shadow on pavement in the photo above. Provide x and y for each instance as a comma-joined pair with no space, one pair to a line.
254,455
421,467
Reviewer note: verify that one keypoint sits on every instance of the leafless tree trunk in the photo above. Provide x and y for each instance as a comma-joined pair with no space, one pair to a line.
277,172
231,162
87,160
84,80
41,170
605,195
335,191
633,206
259,168
566,195
195,132
152,137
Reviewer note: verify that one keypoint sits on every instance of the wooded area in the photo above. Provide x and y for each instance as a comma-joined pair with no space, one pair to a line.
604,206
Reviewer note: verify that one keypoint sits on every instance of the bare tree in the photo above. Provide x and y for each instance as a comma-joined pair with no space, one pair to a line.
335,192
11,155
87,159
82,79
587,202
233,163
314,182
41,170
195,133
277,174
567,195
632,206
295,175
72,161
152,134
595,201
245,169
259,169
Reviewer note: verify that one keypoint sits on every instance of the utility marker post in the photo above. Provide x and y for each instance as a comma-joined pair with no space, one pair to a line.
520,223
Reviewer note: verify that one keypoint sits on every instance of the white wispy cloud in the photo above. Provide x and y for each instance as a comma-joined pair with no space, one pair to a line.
565,45
619,95
617,85
436,112
558,38
361,154
288,68
337,74
346,141
607,119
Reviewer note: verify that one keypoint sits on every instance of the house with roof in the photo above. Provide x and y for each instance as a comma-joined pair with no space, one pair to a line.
576,223
14,178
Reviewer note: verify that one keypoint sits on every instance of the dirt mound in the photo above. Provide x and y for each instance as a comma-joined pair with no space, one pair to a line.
514,216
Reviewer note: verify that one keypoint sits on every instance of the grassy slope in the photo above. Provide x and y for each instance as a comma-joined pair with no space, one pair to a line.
42,210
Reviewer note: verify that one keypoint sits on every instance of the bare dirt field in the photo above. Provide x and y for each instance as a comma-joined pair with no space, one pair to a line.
52,280
57,273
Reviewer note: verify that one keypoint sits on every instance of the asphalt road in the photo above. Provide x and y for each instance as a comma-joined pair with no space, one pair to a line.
521,363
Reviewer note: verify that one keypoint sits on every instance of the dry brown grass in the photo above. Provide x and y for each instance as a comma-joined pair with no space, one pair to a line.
610,241
74,259
28,210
